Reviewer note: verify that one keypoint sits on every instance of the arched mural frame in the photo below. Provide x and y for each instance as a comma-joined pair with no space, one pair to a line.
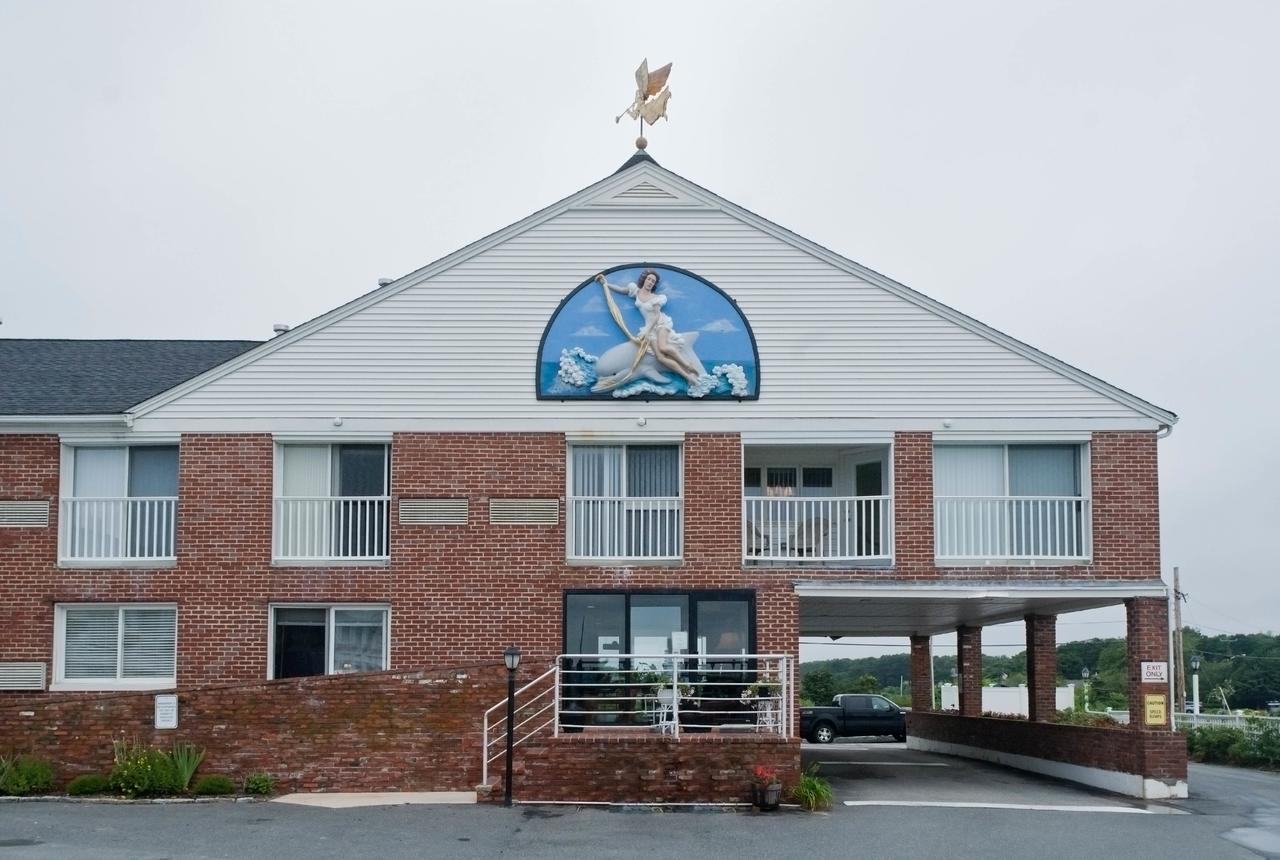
646,397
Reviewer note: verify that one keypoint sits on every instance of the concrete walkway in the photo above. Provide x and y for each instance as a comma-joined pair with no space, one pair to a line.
352,800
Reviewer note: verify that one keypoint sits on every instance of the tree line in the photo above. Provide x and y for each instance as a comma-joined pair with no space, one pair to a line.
1242,667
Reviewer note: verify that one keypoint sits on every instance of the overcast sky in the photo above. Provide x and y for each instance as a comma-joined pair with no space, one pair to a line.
1100,180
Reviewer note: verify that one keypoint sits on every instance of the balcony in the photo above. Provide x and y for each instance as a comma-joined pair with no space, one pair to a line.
988,529
326,529
835,529
616,528
115,531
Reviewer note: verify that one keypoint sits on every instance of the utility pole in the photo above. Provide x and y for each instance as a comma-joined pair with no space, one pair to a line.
1180,698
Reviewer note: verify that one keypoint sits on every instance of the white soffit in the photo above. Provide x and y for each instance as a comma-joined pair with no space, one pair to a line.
835,609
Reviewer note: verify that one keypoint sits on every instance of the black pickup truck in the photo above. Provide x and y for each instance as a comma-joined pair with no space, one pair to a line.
853,715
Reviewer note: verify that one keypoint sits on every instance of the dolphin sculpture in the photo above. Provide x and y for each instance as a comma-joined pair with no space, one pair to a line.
618,365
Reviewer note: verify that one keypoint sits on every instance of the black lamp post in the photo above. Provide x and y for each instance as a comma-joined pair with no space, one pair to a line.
1195,684
512,658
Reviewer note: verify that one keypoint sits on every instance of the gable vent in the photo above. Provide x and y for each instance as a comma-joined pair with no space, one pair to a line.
433,512
21,676
645,191
524,512
28,514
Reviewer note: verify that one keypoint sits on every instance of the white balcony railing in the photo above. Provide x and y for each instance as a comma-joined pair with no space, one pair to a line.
327,528
1012,527
615,528
118,529
843,528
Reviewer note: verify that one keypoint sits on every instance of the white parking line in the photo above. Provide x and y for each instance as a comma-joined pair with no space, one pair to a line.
890,763
1038,807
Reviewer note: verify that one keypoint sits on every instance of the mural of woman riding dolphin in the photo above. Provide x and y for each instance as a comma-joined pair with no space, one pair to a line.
669,334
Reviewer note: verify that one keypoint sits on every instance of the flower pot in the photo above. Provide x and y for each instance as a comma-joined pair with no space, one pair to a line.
766,797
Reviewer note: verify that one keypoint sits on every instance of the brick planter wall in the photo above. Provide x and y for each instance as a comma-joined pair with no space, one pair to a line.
384,731
647,769
1159,755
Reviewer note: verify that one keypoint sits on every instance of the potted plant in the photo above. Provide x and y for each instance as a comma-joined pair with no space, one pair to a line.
766,788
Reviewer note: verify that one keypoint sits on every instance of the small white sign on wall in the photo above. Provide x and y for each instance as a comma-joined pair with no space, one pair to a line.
1155,673
166,712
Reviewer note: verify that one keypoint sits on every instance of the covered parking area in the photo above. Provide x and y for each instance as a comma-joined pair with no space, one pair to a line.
1145,759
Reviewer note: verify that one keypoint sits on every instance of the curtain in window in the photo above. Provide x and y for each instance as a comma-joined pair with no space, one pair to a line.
598,516
153,478
968,470
305,519
653,471
97,528
1045,527
359,640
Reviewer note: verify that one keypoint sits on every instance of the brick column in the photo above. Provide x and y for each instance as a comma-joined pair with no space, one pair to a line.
921,673
969,664
1042,668
1147,638
913,504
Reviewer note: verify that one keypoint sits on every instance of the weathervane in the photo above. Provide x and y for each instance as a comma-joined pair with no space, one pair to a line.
652,95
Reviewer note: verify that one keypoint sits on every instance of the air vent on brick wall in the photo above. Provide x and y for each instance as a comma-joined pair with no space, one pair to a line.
433,512
524,512
21,676
29,514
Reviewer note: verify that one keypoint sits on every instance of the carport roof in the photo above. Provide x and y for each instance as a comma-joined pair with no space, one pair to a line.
895,609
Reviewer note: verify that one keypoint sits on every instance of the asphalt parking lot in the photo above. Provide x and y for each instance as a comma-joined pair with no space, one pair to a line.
1234,814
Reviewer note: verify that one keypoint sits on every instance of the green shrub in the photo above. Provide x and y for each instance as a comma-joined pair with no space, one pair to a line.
1085,718
812,791
214,785
88,783
1214,744
186,758
260,784
144,772
25,775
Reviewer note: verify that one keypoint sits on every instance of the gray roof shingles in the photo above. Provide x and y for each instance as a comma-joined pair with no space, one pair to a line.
100,377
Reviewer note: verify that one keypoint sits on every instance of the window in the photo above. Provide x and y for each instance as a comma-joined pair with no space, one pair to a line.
651,623
105,647
625,502
332,502
1010,501
120,504
788,481
327,640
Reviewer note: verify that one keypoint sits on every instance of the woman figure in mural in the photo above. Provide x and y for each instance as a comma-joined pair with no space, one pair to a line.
658,337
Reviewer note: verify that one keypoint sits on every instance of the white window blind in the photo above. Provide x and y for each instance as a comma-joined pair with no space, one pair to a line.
149,639
968,470
118,644
92,643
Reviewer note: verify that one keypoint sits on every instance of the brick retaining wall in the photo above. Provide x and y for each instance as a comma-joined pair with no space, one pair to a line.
1158,755
384,731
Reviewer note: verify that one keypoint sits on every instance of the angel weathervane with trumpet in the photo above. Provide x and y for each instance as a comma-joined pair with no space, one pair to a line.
652,95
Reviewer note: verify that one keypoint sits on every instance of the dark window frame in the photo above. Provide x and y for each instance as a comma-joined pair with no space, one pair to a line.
693,595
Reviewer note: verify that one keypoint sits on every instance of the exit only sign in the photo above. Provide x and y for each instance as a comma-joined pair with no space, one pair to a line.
1155,673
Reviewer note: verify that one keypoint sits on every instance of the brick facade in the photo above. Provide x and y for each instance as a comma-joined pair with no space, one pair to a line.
969,667
459,594
921,673
1146,639
1042,667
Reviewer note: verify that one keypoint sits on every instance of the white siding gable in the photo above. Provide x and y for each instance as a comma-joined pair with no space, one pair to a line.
454,346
